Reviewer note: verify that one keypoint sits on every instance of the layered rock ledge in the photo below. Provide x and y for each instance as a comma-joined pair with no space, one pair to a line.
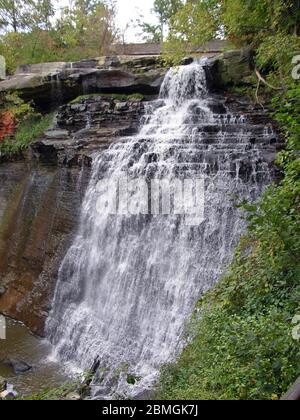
51,84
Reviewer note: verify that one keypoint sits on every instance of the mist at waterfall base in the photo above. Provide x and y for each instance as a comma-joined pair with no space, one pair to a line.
128,285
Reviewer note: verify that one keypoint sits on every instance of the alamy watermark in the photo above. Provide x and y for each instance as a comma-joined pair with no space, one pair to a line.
2,67
296,68
129,197
2,328
296,329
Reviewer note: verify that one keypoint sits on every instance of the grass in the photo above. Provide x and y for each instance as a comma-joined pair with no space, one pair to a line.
28,131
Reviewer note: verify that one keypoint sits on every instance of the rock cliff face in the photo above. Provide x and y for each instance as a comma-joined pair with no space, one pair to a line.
38,213
51,84
85,126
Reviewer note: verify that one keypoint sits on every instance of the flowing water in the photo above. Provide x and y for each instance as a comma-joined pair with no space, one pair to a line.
129,284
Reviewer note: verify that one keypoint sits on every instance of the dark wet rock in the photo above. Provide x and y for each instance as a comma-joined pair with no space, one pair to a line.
39,210
187,60
57,134
18,366
52,84
3,384
89,125
232,68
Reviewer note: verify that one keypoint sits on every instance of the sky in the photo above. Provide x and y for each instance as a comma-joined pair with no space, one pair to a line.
128,11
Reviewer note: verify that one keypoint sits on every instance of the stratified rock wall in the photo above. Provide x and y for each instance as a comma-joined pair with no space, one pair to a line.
51,84
39,208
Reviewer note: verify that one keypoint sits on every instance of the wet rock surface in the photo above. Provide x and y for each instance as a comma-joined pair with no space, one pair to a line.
232,68
51,84
19,366
39,207
86,126
40,201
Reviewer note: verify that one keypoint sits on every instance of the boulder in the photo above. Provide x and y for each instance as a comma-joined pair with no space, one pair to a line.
18,366
232,68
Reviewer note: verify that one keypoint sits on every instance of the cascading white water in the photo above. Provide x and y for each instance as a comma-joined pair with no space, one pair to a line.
128,285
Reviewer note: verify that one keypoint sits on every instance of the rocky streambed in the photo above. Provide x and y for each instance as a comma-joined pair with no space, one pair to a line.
25,361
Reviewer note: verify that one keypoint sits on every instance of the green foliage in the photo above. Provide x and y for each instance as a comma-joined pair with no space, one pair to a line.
245,22
29,130
19,15
164,11
192,26
235,357
11,102
251,21
88,26
85,30
151,33
132,380
276,53
30,125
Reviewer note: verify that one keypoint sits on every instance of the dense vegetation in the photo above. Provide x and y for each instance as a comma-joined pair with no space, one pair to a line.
30,34
28,125
242,345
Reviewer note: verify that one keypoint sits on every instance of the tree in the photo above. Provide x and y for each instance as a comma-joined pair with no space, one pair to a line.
252,21
245,22
193,25
41,13
164,10
151,33
19,15
88,25
13,14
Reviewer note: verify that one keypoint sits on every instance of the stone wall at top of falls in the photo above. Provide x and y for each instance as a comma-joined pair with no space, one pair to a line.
49,85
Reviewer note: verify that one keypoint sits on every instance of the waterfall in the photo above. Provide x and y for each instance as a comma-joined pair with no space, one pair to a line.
128,284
